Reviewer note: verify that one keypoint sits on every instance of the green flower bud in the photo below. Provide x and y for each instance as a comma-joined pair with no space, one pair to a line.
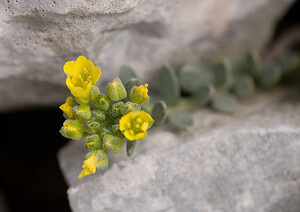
89,154
104,131
130,107
102,159
82,112
117,132
129,85
72,129
82,101
116,90
115,110
113,144
99,115
94,92
93,142
92,127
139,94
102,102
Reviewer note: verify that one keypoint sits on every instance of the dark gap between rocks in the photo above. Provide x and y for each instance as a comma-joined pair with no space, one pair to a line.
30,176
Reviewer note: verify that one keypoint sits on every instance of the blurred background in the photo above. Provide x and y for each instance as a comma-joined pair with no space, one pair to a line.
38,37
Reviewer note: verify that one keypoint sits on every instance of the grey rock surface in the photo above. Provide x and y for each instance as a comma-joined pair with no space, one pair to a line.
38,37
248,161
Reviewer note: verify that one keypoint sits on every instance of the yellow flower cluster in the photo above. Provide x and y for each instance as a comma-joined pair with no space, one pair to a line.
103,123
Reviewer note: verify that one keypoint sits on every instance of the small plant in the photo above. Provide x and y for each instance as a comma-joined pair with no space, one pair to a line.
220,87
105,121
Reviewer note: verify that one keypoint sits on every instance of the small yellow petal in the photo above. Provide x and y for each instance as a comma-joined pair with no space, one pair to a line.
89,166
68,68
67,107
144,126
140,136
69,83
69,100
129,136
84,173
146,117
131,132
80,92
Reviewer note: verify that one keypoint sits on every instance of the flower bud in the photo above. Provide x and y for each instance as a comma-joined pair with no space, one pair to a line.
82,101
82,112
94,92
130,107
102,158
95,159
103,131
72,129
99,115
113,144
116,130
116,90
92,127
139,94
101,103
115,110
93,142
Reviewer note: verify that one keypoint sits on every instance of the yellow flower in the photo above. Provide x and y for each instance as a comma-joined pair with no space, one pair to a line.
67,107
81,75
139,94
89,166
134,125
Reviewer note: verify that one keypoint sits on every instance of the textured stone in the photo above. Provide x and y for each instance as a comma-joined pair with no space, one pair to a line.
248,161
38,37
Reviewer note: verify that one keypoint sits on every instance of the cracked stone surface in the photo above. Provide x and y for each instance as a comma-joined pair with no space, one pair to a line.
38,37
248,161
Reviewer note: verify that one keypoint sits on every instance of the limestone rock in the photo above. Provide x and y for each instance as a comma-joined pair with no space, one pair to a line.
248,161
38,37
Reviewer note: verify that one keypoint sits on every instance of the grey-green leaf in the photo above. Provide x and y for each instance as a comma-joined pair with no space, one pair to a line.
290,62
223,72
204,93
181,120
130,146
192,76
271,76
244,86
126,74
168,85
252,64
159,112
225,102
